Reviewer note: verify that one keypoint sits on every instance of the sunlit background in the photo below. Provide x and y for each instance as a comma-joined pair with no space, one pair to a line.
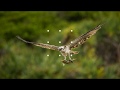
99,56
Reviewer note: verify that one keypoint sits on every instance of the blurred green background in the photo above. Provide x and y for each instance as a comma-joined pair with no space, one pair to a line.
98,58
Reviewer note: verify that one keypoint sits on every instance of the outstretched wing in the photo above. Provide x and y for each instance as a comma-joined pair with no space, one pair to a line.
47,46
81,39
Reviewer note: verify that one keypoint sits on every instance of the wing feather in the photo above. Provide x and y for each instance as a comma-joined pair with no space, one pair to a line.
47,46
81,39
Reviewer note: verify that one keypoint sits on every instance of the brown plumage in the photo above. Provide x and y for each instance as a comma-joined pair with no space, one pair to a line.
81,39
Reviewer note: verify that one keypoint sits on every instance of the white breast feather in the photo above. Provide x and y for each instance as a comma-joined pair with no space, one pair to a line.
67,50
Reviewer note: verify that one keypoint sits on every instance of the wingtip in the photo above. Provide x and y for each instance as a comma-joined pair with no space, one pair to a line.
17,36
100,25
103,23
20,38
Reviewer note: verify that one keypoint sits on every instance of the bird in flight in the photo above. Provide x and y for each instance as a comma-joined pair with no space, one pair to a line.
66,50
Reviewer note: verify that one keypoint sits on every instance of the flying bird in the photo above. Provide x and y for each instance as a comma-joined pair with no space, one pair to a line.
66,50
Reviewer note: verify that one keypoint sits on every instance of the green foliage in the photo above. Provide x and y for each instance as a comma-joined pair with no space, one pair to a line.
31,23
21,60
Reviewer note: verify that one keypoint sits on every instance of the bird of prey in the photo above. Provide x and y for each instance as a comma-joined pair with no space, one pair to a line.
66,50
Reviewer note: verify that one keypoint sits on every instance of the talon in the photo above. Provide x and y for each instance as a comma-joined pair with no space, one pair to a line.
65,61
71,61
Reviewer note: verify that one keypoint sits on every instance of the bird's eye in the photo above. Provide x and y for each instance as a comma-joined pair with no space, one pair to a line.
61,49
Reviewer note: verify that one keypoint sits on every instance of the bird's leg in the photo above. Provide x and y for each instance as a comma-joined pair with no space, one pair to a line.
67,61
70,60
64,57
64,61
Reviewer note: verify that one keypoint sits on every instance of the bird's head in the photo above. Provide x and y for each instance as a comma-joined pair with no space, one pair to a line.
61,48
